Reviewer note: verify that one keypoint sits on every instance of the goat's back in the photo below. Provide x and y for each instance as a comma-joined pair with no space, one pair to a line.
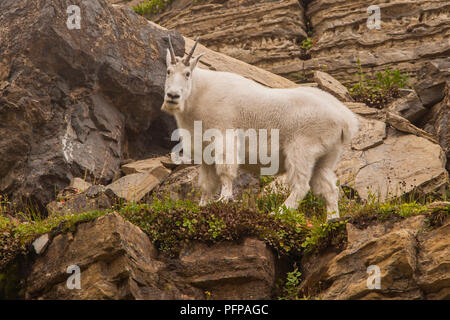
227,100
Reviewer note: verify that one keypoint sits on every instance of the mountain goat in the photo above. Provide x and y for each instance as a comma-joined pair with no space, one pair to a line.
312,127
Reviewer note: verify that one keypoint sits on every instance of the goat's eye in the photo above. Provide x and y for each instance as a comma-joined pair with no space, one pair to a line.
168,72
188,74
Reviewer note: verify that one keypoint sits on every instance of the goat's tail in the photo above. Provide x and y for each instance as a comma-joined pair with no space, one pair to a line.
349,129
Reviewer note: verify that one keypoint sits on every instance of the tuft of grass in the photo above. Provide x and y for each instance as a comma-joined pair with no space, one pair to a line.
150,7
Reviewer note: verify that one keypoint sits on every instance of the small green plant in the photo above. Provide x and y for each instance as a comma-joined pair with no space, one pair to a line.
320,232
380,90
308,43
4,204
270,201
189,224
301,78
215,226
171,224
4,222
291,290
272,196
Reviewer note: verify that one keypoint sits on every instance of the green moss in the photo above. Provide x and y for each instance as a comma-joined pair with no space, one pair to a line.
30,230
15,237
150,7
404,209
171,224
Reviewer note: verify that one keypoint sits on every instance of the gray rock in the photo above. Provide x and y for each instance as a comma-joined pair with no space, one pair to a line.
95,198
413,262
331,85
41,243
230,271
401,164
372,133
432,79
408,106
403,125
182,184
95,191
80,184
437,122
146,165
134,187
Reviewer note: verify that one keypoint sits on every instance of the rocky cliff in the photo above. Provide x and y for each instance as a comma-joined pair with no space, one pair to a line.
266,34
72,101
115,259
411,263
270,33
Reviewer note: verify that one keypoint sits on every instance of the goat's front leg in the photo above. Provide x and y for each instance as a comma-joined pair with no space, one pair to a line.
227,173
209,183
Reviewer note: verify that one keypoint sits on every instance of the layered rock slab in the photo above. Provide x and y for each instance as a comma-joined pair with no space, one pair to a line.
411,34
270,34
261,33
116,260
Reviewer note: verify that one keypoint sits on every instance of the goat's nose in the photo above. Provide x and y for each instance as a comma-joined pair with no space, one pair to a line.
173,96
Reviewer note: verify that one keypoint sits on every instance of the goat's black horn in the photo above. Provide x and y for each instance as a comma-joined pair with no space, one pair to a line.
172,52
189,56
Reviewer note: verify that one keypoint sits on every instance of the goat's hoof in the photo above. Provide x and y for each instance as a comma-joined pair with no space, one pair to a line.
333,217
225,199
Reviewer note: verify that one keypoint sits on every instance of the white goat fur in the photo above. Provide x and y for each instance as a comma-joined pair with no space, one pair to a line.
313,127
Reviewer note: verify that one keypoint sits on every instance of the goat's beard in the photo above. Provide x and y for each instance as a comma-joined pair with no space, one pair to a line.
171,108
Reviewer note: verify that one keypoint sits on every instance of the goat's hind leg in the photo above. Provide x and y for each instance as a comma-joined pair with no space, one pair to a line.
300,159
323,182
209,183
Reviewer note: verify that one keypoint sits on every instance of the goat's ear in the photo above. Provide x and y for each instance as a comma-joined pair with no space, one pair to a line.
168,58
194,61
